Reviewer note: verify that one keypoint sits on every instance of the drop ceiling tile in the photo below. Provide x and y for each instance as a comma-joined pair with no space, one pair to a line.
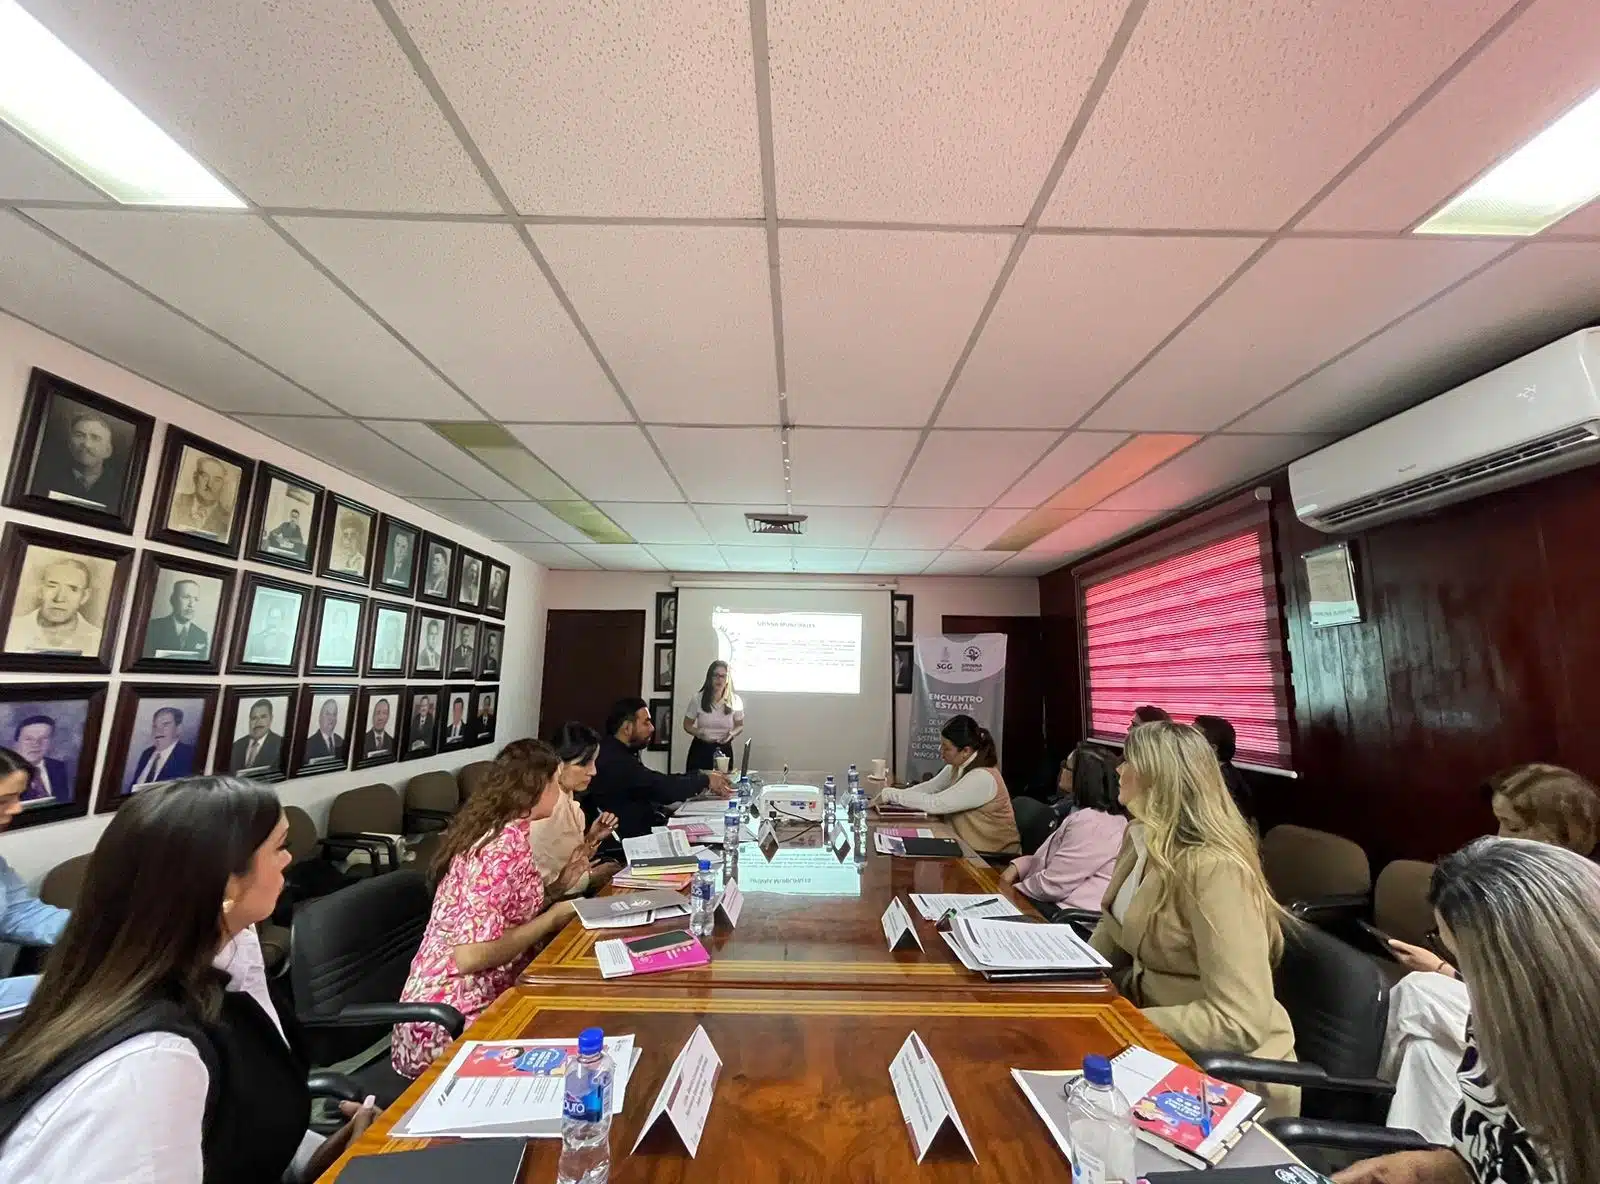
906,111
1089,529
1529,298
921,528
1268,104
727,526
838,526
1064,463
1078,313
536,515
759,559
554,556
874,320
1302,302
348,445
58,290
657,522
1530,74
896,562
307,103
619,556
469,296
28,174
427,445
1026,563
1582,221
1215,464
991,524
234,275
844,467
733,465
965,563
607,462
487,519
828,560
970,468
682,313
640,110
685,557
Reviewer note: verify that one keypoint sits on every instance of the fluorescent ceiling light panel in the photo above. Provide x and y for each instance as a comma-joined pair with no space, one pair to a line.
56,100
1536,186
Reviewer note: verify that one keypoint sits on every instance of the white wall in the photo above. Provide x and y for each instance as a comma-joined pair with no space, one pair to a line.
35,850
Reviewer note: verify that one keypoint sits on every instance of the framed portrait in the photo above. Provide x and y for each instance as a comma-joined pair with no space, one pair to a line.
284,522
160,732
661,738
484,702
78,456
461,661
349,533
666,616
179,617
904,665
437,566
269,626
497,589
455,723
201,491
666,666
322,730
469,579
388,636
251,741
420,736
61,600
491,651
55,727
900,618
337,620
378,711
428,644
399,555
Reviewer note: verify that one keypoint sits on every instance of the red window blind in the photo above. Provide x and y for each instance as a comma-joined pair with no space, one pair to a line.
1194,629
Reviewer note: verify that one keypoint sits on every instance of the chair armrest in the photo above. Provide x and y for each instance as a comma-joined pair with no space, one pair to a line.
367,841
370,1015
1362,1138
1321,910
1241,1069
326,1084
420,821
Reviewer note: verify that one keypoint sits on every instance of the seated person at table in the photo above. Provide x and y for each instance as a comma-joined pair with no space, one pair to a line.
24,919
1523,921
715,718
1225,743
152,1053
489,910
622,784
1190,926
1148,714
968,792
564,854
1073,867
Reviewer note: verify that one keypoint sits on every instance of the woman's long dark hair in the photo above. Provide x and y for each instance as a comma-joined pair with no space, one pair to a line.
965,732
511,789
13,762
575,743
148,923
706,691
1094,781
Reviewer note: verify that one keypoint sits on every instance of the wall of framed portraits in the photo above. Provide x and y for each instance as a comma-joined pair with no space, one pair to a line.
180,594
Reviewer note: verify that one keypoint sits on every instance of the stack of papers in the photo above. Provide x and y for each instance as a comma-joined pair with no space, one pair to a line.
677,881
614,912
1009,949
934,905
701,808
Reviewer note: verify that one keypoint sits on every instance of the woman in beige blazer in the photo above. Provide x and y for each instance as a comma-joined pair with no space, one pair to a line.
1190,926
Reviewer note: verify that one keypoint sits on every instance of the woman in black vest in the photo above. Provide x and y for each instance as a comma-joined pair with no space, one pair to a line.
138,1059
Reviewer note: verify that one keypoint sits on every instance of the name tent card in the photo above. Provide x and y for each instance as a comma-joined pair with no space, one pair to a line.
685,1096
841,840
919,1088
731,903
897,926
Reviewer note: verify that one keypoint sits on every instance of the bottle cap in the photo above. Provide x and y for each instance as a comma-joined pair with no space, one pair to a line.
1097,1069
590,1041
705,865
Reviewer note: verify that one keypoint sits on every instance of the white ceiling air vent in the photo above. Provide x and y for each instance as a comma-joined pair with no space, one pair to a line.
776,523
1530,418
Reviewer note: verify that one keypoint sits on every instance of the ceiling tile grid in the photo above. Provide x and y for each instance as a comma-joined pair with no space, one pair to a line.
26,173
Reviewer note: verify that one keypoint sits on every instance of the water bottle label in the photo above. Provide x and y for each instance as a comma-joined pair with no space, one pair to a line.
1086,1169
587,1107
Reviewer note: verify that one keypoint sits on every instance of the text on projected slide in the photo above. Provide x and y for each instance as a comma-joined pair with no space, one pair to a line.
796,653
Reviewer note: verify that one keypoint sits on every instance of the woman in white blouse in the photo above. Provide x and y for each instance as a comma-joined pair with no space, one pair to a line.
968,792
714,717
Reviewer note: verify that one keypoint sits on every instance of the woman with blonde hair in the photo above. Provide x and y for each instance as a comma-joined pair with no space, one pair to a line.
1189,925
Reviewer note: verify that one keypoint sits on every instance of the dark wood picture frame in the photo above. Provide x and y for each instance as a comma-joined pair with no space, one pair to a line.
238,663
311,697
458,578
664,668
903,668
93,697
409,734
486,631
15,544
131,699
232,697
255,549
468,669
21,491
140,620
464,692
389,525
661,738
422,617
430,542
360,757
666,616
319,603
158,528
490,609
332,505
377,613
480,733
896,634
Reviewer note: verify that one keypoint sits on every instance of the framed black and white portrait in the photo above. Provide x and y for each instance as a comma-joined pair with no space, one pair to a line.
255,722
900,617
322,732
421,735
79,456
201,492
661,738
337,619
666,616
399,556
428,645
269,627
455,724
160,732
349,533
284,521
55,727
485,701
665,667
491,651
438,565
469,579
378,715
462,659
61,600
903,657
180,616
497,590
388,634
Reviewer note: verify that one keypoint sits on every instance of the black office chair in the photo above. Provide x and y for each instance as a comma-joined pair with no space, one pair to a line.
349,955
1036,821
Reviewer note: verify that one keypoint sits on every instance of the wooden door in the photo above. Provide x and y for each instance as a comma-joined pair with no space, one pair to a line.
592,658
1022,735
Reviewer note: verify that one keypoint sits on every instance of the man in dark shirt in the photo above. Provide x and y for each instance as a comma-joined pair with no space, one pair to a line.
623,785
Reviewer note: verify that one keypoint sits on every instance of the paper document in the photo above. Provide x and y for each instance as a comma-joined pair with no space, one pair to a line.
934,905
714,807
664,844
1005,945
596,912
631,920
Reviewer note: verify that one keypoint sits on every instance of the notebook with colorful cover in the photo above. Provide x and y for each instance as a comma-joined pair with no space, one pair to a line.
677,949
1179,1110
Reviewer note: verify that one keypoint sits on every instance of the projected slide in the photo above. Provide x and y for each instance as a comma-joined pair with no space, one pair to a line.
797,653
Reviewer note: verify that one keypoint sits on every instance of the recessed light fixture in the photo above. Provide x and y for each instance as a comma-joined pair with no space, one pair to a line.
54,99
1539,184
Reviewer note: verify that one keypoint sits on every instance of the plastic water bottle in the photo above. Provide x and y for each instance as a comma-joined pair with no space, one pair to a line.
702,895
830,796
852,780
586,1114
1099,1127
732,824
742,794
858,826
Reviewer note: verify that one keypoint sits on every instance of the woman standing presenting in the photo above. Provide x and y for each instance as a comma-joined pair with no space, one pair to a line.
714,717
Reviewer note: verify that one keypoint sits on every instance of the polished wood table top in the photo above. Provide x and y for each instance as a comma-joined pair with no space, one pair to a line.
804,1092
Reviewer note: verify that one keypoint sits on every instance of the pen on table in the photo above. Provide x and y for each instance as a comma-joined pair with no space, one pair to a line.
977,904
